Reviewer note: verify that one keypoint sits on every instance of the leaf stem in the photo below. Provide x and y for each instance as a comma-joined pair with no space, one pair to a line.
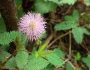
9,58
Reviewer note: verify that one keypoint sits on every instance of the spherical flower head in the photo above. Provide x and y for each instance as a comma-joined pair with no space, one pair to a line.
32,25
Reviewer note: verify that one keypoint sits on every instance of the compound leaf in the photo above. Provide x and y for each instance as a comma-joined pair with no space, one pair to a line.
78,33
36,64
7,37
71,22
21,59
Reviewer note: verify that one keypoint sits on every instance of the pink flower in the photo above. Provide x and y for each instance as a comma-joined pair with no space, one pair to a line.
32,25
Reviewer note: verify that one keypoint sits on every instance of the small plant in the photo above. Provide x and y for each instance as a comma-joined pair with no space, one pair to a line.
77,31
32,30
77,57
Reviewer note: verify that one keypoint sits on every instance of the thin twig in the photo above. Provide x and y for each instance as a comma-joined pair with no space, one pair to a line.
69,44
68,10
62,45
49,38
85,47
65,61
57,39
85,25
9,58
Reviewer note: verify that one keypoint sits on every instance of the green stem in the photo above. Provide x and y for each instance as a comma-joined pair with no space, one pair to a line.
46,43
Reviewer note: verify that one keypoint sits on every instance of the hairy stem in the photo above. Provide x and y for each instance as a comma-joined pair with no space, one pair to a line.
9,14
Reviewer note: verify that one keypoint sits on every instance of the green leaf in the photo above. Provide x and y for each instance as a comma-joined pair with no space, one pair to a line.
44,36
7,37
76,15
21,59
4,54
78,56
43,47
54,59
69,18
5,47
86,60
44,7
78,33
42,53
49,67
68,66
59,52
64,25
11,64
32,56
70,23
36,64
86,31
